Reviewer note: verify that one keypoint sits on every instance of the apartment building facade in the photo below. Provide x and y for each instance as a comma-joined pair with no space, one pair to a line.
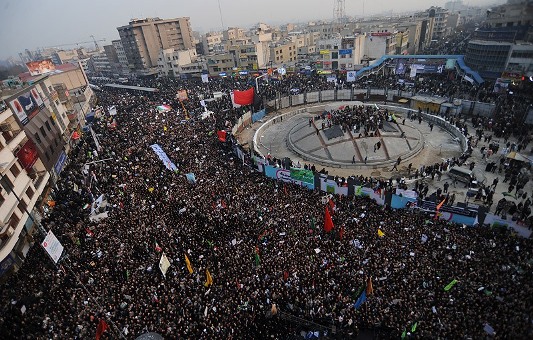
143,39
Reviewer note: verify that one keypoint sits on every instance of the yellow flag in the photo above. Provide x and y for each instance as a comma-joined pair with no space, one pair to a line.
165,128
380,233
209,279
189,267
150,190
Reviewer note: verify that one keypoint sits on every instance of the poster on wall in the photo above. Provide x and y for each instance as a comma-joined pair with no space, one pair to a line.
26,105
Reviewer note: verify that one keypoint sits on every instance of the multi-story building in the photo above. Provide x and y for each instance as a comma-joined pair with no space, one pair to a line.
233,33
24,178
71,93
172,62
121,56
504,42
220,64
440,25
213,42
142,39
39,112
99,65
283,53
250,56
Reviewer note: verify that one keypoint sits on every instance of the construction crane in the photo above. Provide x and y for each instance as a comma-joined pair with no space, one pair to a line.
79,43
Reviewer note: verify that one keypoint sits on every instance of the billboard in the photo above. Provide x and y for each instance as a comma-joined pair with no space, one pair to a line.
26,105
40,67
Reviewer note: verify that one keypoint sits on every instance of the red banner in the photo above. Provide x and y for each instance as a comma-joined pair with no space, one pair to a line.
28,155
244,97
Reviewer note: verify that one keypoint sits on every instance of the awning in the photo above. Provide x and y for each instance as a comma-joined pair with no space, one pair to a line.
403,101
518,157
75,135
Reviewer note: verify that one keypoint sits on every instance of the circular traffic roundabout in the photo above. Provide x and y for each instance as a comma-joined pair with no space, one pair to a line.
329,135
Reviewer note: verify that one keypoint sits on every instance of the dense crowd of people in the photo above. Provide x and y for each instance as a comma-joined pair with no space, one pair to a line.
262,242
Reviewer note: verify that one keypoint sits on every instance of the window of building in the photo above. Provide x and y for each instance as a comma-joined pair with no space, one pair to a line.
15,170
6,183
23,206
42,131
37,137
47,155
30,192
48,126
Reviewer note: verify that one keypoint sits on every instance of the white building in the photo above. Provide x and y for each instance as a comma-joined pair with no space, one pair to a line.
24,178
172,63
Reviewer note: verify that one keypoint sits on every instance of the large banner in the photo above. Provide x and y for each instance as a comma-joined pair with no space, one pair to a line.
164,264
350,76
26,105
40,67
331,187
163,157
285,176
302,175
52,246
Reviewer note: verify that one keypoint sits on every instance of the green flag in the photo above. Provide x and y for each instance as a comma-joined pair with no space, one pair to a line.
450,285
413,329
312,226
257,260
404,334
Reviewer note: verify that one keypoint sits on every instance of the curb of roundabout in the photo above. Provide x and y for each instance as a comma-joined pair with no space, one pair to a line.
311,110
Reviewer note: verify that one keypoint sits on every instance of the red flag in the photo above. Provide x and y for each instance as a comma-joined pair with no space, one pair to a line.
285,275
369,288
328,222
221,135
331,205
244,97
102,327
341,232
89,232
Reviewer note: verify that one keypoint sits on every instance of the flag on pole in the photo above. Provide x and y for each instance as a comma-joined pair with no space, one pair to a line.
361,300
369,288
413,329
331,205
450,285
404,334
341,232
256,257
157,247
243,97
328,222
209,279
380,233
312,226
102,327
189,267
438,208
221,135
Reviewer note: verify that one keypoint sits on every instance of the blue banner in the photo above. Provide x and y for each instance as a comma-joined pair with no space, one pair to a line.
345,52
163,157
258,115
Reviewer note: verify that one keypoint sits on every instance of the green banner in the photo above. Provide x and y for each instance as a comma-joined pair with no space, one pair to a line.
302,175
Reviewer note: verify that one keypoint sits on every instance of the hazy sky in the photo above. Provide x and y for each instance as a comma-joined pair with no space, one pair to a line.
39,23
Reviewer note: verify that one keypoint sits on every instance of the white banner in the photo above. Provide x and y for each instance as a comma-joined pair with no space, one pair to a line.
205,78
164,264
112,110
350,76
52,246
